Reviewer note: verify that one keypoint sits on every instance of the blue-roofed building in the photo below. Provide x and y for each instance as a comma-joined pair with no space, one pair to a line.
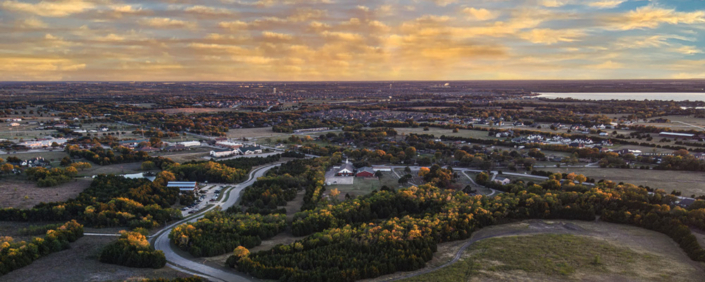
184,186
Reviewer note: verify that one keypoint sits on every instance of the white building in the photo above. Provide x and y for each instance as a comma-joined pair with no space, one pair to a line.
14,124
189,143
250,150
224,153
381,168
43,143
228,144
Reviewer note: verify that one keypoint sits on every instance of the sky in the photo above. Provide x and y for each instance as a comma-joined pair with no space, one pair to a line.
313,40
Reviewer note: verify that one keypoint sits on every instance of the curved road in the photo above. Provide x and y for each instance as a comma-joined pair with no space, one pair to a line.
161,241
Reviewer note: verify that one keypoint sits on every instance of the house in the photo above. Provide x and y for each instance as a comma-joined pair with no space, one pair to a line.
184,187
365,172
685,203
502,180
148,149
175,148
250,150
221,153
347,169
131,143
14,124
381,168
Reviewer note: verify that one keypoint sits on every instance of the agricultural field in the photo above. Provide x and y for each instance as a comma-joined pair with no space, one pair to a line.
690,183
562,250
25,194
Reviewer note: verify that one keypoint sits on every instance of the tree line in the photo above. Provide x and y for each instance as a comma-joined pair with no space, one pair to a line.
132,249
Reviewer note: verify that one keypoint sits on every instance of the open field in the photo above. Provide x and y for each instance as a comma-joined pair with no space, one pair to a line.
126,168
563,250
25,194
194,110
363,186
685,181
80,263
261,132
438,132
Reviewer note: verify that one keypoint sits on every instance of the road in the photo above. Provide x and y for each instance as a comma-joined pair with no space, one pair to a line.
161,241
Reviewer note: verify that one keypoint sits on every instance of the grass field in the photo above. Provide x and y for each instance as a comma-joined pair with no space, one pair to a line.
362,186
438,132
25,194
586,251
80,263
685,181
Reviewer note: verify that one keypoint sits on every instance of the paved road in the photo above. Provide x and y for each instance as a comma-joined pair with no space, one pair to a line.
160,240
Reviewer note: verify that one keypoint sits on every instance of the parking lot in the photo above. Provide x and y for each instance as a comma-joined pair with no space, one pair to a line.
342,180
207,195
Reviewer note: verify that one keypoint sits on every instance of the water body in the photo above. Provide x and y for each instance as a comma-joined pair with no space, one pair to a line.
675,96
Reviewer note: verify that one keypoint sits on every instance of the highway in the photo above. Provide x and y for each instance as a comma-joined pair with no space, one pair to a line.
160,240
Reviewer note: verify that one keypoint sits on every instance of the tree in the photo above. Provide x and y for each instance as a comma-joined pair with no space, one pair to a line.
148,165
7,168
334,193
407,170
54,144
455,130
410,152
378,174
66,161
2,160
155,141
241,252
423,171
81,165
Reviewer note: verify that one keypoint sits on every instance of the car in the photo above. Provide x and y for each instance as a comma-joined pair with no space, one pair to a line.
212,200
191,212
184,208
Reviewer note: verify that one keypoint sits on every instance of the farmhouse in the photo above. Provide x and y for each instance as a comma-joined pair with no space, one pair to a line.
250,150
365,172
347,169
502,180
184,187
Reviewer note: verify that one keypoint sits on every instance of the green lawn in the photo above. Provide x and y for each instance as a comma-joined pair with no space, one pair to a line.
557,256
362,186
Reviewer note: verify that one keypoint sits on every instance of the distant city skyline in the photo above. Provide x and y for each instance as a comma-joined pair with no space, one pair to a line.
350,40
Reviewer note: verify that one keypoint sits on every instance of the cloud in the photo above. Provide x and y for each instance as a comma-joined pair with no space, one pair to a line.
551,36
554,3
651,17
32,23
688,50
444,3
479,14
207,11
606,4
58,8
167,23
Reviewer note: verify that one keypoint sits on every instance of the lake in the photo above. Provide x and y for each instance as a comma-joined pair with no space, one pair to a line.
675,96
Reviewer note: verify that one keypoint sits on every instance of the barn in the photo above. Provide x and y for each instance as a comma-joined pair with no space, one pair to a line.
365,172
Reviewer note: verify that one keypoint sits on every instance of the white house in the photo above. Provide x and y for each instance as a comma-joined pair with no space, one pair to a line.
14,124
250,150
381,168
502,180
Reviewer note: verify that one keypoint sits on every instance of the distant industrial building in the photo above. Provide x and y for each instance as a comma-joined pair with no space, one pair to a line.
311,129
222,153
41,143
676,135
189,143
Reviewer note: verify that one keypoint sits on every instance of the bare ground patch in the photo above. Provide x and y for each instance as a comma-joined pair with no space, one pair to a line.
644,255
25,194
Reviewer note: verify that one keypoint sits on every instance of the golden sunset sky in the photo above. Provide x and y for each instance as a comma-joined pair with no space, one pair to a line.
249,40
